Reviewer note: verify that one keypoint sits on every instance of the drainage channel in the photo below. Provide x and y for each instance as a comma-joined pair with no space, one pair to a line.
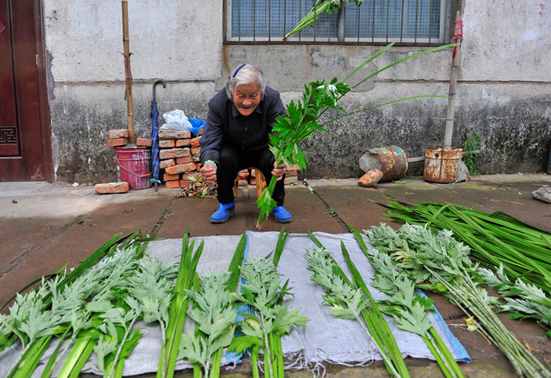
332,212
164,215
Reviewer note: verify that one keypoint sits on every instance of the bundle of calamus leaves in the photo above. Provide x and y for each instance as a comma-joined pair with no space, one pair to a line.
303,116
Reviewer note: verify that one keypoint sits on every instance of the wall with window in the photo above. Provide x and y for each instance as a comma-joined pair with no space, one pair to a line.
504,92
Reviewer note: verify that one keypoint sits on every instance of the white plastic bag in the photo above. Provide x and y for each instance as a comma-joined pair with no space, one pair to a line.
176,120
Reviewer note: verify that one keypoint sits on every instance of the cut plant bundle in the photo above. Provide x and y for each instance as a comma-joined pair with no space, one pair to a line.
214,311
408,308
269,318
522,300
187,278
495,239
441,263
59,307
145,296
8,337
104,320
351,299
303,117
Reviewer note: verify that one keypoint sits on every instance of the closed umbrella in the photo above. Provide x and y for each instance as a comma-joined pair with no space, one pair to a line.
155,161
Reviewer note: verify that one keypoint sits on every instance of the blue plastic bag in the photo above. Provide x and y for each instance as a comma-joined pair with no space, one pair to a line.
196,125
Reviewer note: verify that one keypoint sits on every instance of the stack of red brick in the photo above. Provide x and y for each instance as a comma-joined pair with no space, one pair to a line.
248,176
119,138
180,162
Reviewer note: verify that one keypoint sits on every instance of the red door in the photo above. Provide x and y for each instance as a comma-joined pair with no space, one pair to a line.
25,150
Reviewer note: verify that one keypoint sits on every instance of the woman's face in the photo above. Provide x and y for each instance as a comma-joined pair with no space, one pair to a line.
246,98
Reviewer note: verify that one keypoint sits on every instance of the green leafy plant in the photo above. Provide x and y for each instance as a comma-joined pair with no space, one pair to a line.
104,313
178,306
408,308
269,319
320,7
522,300
58,307
213,312
471,148
495,239
444,263
351,299
8,337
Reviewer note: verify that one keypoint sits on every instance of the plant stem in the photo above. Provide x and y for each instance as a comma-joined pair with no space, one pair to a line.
50,365
30,358
268,369
439,358
254,362
216,362
443,348
83,357
197,371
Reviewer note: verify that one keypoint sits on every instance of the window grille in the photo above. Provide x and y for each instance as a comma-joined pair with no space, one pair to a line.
374,22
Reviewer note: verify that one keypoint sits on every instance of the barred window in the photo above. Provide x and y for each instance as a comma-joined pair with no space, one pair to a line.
375,21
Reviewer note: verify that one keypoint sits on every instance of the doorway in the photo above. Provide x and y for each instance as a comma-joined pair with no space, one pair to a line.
25,136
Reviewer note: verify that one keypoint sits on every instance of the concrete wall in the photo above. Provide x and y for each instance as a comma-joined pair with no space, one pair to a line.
504,93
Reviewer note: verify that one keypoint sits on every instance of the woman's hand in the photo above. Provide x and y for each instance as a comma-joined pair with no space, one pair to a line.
208,171
278,171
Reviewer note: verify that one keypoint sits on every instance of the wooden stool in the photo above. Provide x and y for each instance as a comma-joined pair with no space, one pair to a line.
259,180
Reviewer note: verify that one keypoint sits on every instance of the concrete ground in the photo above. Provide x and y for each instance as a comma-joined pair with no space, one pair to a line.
44,227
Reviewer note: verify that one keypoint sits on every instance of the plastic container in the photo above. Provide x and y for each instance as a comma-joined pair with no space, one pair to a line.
134,167
196,125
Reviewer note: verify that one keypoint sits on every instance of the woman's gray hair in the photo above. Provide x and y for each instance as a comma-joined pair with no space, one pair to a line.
244,74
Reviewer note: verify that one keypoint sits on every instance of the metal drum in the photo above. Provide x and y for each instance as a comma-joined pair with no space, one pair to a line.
442,164
392,161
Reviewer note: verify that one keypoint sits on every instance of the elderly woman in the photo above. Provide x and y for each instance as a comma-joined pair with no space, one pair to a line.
239,122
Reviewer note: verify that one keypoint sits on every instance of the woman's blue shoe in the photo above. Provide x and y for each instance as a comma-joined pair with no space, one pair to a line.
223,213
282,215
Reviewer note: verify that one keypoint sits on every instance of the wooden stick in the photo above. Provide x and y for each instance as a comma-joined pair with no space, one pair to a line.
450,117
128,74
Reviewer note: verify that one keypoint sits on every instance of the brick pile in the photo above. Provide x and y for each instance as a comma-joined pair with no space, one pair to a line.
180,162
248,176
119,138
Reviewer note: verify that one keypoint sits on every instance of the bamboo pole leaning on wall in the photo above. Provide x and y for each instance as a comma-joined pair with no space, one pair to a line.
454,71
128,74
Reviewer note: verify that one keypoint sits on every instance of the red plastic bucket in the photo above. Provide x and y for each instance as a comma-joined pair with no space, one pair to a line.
134,167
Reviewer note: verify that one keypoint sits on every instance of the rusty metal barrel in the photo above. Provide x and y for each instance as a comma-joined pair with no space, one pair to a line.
442,164
391,160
